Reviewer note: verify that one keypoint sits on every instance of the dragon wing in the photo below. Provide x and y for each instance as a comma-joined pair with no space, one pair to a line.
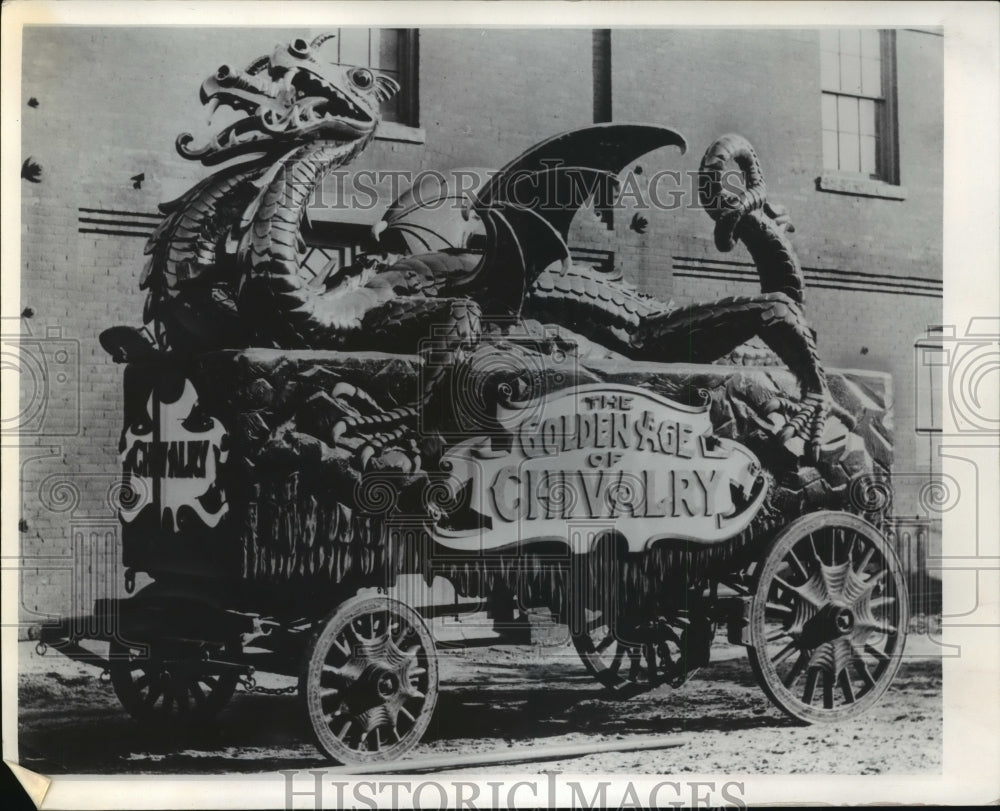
528,206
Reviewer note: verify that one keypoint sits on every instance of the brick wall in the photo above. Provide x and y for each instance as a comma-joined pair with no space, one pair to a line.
111,102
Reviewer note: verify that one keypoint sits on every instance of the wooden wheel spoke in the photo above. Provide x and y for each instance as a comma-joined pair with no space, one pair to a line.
779,608
815,551
846,687
881,627
827,690
616,662
880,655
861,668
810,689
404,631
798,563
338,676
343,646
797,670
869,553
785,652
198,693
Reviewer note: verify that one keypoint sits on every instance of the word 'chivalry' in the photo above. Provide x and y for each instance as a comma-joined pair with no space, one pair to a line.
532,494
179,459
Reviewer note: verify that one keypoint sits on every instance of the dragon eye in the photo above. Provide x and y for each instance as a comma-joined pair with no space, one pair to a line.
299,48
362,77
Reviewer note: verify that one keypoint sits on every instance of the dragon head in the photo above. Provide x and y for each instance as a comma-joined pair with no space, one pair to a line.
292,95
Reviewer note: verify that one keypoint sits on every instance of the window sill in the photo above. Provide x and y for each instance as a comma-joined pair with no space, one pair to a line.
394,131
859,186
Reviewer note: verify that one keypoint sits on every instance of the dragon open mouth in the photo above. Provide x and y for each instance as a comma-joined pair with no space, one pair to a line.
326,99
284,99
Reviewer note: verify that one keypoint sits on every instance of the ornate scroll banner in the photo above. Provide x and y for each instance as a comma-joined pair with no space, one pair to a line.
172,453
652,466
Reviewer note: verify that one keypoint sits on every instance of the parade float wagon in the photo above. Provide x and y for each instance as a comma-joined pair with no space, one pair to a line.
469,406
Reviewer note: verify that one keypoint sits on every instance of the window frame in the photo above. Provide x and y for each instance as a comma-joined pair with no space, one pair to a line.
408,74
886,180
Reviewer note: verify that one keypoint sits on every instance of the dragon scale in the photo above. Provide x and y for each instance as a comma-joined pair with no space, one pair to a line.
272,249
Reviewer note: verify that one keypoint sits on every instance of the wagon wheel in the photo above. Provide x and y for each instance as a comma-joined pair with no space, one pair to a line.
827,618
636,656
172,685
370,681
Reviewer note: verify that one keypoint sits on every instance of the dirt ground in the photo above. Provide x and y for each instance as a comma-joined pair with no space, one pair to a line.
498,698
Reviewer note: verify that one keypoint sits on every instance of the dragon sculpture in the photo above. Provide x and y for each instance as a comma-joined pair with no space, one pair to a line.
224,264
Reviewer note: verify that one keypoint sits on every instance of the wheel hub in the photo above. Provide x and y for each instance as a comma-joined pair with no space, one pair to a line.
387,685
837,621
833,622
377,685
843,621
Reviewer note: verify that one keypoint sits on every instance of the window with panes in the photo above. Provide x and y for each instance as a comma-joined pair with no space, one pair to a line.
857,75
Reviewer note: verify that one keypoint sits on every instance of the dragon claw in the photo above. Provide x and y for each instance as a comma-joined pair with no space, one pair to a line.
808,423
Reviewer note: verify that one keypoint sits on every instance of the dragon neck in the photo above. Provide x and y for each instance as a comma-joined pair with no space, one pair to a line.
275,218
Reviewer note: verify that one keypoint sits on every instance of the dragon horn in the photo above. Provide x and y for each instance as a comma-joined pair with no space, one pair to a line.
258,64
320,39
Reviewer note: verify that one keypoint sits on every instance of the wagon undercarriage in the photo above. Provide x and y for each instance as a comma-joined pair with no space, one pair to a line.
822,613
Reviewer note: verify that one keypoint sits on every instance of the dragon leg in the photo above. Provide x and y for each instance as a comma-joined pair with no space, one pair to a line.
702,333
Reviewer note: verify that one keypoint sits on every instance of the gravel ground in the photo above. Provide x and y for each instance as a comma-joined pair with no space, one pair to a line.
499,698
